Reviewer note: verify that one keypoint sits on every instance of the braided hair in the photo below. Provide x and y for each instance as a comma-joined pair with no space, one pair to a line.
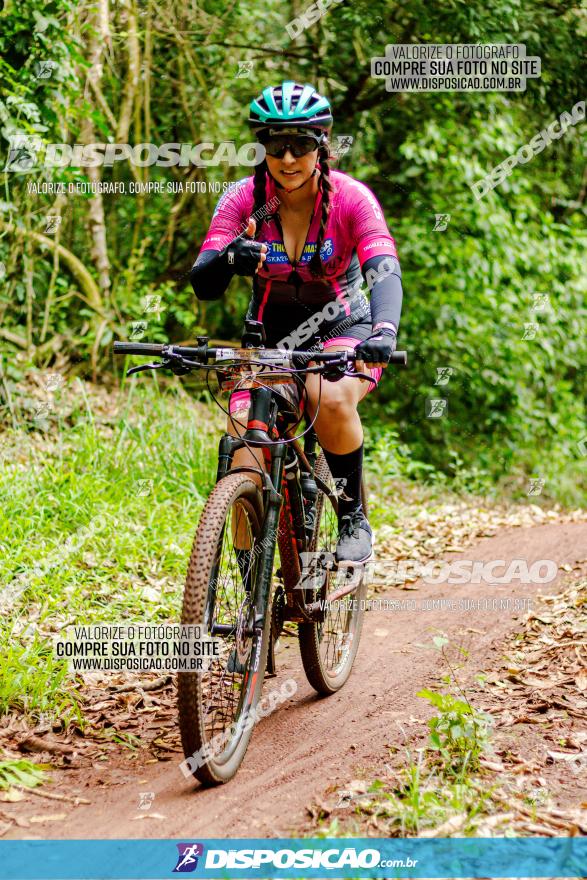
325,186
259,190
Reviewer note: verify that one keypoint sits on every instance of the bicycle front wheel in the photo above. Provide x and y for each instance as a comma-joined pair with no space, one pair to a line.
329,647
214,705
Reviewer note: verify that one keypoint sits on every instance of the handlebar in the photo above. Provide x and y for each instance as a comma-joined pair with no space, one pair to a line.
138,348
204,353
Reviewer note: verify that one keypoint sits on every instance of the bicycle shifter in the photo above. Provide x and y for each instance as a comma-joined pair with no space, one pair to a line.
334,372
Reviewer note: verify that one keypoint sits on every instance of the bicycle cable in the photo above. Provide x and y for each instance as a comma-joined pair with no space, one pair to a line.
293,371
304,397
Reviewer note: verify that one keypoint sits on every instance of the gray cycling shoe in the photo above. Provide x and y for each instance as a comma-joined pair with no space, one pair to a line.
355,539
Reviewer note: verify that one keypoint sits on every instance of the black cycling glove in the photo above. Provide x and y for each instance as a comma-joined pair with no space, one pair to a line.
213,270
242,255
378,348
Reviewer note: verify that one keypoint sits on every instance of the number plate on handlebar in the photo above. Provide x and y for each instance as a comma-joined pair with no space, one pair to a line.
281,355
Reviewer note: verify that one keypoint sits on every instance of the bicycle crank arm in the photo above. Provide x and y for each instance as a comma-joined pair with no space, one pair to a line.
223,629
313,607
299,612
228,629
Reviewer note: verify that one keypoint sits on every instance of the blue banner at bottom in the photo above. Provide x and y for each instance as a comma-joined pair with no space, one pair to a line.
347,857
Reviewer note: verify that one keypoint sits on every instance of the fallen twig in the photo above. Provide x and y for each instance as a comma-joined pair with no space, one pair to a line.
153,685
53,795
34,743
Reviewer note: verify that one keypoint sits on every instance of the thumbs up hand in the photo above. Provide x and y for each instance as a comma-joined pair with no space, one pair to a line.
251,229
244,255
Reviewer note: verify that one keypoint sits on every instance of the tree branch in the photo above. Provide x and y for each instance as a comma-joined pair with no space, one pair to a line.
75,265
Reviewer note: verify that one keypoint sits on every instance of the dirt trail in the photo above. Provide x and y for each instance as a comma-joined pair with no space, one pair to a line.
312,744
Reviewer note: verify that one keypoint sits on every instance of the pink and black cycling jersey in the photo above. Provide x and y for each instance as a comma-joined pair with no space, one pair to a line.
285,293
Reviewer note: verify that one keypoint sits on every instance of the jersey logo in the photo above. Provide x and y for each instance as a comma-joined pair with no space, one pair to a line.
327,249
376,244
276,252
370,197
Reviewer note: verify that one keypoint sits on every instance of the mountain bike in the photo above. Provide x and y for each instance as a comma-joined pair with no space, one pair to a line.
234,587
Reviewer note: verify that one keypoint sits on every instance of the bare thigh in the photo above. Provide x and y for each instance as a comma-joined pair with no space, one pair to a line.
348,388
334,407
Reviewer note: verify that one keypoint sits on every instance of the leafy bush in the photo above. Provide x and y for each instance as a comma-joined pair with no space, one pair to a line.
459,732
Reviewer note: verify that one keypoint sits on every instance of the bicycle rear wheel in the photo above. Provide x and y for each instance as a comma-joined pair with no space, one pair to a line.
214,705
329,647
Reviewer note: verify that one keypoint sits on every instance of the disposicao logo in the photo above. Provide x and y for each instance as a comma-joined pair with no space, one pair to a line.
187,860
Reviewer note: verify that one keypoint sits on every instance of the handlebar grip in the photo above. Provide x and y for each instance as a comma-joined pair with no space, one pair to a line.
399,357
138,348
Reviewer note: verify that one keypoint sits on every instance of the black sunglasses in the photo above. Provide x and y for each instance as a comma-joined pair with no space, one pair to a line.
300,145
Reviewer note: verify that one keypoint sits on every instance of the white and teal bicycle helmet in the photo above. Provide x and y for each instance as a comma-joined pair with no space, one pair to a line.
290,105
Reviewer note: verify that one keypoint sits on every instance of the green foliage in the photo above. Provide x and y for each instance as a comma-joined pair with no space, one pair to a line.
459,732
117,495
439,785
32,679
20,773
504,388
515,405
424,798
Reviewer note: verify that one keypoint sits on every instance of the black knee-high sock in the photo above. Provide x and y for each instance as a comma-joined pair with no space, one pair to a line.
346,471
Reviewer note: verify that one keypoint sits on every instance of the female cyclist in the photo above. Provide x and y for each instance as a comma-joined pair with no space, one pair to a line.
307,258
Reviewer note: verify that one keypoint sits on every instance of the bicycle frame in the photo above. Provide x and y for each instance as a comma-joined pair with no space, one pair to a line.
290,515
284,516
284,501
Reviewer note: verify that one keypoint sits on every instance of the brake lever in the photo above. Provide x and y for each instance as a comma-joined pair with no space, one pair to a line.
156,365
331,371
360,375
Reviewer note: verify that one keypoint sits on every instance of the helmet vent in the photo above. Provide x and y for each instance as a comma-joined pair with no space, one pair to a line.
290,103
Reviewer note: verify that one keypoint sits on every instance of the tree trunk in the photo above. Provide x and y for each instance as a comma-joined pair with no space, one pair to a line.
99,35
131,83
